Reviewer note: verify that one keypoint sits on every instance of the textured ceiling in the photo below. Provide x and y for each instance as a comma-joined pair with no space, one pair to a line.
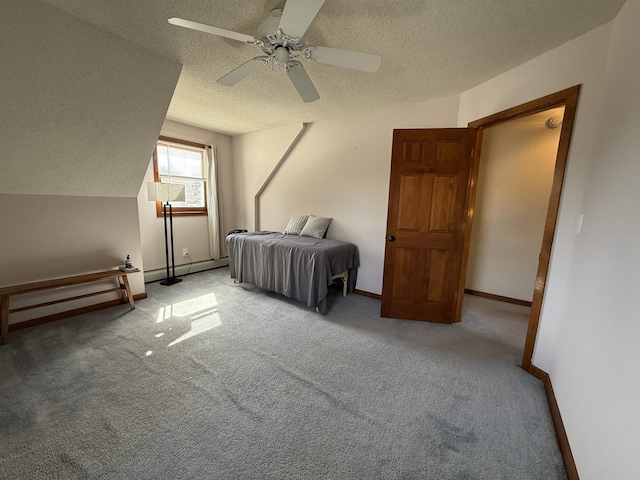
429,49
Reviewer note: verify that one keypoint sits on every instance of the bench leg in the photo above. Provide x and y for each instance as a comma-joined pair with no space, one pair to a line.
4,319
127,289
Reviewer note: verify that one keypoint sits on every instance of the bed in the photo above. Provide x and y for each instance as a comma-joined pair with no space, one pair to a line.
296,266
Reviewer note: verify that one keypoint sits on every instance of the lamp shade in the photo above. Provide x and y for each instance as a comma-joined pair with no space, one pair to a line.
165,192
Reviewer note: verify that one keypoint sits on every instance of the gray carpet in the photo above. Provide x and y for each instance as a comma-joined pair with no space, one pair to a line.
207,379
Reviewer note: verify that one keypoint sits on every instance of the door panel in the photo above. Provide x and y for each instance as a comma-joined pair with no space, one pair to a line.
443,197
447,151
412,152
436,278
410,195
425,223
406,272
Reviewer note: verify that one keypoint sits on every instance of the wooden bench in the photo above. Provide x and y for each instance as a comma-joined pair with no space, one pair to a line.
7,292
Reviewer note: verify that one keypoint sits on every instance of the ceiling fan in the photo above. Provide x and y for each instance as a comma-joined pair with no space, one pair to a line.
279,37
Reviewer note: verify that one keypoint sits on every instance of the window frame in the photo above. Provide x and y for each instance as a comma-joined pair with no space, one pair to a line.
180,211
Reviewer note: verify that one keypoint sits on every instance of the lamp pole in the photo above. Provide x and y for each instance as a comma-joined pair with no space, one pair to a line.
171,279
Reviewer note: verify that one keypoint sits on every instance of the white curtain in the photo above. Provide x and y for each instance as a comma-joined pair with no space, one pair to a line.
217,245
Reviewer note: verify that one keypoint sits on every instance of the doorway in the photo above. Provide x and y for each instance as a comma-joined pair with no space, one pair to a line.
568,99
514,185
432,197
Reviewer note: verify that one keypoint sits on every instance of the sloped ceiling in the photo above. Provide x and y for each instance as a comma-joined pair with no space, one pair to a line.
429,49
80,108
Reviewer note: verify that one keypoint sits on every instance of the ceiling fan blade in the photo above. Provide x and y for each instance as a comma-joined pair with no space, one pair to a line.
298,15
302,82
243,71
210,29
367,62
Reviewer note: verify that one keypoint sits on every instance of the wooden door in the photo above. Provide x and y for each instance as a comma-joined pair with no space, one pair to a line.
423,266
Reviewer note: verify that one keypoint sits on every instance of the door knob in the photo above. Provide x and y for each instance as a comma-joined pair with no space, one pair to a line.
391,238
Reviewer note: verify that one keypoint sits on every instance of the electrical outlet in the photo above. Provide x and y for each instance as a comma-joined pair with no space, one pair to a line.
185,252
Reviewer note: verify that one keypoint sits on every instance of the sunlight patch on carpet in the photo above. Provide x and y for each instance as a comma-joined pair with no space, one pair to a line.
201,311
192,308
200,326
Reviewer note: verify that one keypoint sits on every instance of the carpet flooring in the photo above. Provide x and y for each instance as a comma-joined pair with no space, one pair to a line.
213,380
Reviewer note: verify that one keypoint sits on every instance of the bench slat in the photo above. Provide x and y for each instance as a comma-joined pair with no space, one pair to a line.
62,300
61,282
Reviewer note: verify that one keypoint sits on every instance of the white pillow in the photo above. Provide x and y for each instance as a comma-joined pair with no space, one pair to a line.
316,226
295,225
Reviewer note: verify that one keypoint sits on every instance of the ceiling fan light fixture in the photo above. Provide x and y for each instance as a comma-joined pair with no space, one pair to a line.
281,57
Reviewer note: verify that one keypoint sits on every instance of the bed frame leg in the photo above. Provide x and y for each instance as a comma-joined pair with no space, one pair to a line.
345,281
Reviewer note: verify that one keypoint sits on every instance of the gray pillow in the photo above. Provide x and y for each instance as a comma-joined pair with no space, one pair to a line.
316,226
294,227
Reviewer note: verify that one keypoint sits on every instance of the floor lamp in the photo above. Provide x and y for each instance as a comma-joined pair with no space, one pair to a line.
167,193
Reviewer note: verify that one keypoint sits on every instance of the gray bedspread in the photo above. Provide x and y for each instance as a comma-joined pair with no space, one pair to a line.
295,266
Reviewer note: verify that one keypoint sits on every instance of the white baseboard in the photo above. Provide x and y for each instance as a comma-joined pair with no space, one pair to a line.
161,273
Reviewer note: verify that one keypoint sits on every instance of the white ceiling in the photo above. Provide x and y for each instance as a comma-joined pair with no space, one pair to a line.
429,49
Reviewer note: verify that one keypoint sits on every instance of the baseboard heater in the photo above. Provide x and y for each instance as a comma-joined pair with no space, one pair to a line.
161,273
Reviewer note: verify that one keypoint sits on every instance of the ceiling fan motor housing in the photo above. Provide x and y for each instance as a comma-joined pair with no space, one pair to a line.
274,42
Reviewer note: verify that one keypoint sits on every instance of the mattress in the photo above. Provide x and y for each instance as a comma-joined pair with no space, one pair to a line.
296,266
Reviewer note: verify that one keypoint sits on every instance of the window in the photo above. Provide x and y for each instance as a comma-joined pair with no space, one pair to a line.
179,161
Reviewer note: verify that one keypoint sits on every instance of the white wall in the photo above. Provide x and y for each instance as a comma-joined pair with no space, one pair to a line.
589,330
514,183
580,61
255,155
190,232
340,169
597,358
47,236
